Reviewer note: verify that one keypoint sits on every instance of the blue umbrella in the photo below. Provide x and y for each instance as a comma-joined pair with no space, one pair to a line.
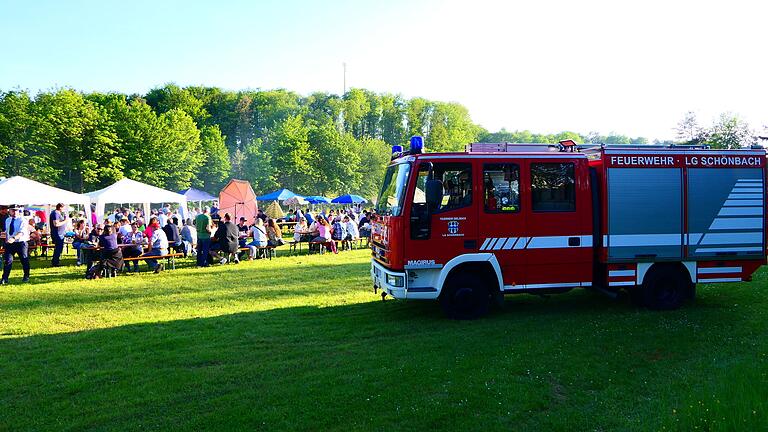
314,199
278,195
349,199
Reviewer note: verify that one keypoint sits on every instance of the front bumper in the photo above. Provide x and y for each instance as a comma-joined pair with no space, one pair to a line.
379,275
417,287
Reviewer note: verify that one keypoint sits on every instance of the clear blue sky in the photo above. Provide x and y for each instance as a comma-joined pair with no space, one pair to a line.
630,68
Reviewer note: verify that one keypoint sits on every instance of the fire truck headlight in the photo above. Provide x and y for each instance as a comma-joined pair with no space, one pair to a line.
397,281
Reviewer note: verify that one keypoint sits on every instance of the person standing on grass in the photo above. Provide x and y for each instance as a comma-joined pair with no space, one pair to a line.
16,243
158,246
203,226
58,232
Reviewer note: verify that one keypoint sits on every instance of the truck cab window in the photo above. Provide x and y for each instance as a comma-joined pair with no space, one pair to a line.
553,187
457,185
501,185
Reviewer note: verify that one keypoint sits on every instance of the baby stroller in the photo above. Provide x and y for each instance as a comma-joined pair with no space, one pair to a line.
110,262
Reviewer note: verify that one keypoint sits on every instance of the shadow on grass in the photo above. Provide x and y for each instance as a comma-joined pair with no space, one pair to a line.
366,366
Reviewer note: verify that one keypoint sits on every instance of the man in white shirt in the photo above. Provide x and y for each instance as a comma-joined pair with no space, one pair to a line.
125,228
162,217
17,231
158,244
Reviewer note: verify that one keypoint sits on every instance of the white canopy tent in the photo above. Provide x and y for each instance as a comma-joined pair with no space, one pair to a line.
23,191
131,191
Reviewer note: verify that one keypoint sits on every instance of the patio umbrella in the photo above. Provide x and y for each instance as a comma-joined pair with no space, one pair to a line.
237,199
274,211
278,195
349,199
314,199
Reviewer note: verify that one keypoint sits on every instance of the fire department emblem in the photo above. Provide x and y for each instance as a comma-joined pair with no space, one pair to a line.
453,227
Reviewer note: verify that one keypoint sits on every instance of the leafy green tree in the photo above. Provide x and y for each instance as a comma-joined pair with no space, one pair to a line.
392,119
689,131
374,158
291,156
171,96
258,170
139,136
730,132
21,152
82,138
338,160
216,167
356,108
182,154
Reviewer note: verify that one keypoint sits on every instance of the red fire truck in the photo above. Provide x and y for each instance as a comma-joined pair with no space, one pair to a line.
469,227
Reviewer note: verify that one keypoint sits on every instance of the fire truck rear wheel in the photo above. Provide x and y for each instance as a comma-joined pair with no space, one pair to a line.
665,288
465,297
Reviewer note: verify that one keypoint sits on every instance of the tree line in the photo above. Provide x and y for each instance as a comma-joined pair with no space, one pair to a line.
174,137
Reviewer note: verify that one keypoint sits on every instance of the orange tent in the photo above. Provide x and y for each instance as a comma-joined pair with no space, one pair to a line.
237,199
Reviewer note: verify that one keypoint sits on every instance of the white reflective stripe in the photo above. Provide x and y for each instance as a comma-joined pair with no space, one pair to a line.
605,240
617,273
521,243
555,242
716,280
743,189
729,249
485,243
623,283
548,242
709,270
509,243
645,240
694,238
744,196
742,203
586,284
499,243
732,238
749,181
736,223
741,211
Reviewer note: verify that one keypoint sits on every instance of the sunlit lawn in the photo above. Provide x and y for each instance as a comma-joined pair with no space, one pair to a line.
303,343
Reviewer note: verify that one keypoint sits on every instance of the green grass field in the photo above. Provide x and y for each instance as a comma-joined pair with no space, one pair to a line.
302,343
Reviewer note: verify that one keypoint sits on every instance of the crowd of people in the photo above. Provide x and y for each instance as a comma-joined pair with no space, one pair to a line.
126,233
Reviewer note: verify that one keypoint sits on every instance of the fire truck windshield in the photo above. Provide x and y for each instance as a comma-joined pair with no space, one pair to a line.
390,200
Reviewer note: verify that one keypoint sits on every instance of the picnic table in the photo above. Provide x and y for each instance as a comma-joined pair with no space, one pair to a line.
285,227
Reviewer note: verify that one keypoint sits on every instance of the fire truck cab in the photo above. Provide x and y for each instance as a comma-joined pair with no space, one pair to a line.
469,227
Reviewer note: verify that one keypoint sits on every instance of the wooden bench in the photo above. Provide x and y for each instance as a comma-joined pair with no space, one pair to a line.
170,258
270,250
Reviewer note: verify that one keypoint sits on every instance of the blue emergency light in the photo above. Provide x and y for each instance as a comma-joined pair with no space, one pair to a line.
396,149
417,144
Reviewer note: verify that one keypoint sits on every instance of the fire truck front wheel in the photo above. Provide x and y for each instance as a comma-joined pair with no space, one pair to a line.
465,297
666,287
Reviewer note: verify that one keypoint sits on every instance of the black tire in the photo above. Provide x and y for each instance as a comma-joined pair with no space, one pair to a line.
665,288
465,297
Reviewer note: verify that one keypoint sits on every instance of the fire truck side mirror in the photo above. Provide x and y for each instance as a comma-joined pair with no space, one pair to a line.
434,193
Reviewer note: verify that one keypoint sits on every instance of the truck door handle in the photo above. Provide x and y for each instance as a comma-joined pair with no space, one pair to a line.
470,244
574,241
